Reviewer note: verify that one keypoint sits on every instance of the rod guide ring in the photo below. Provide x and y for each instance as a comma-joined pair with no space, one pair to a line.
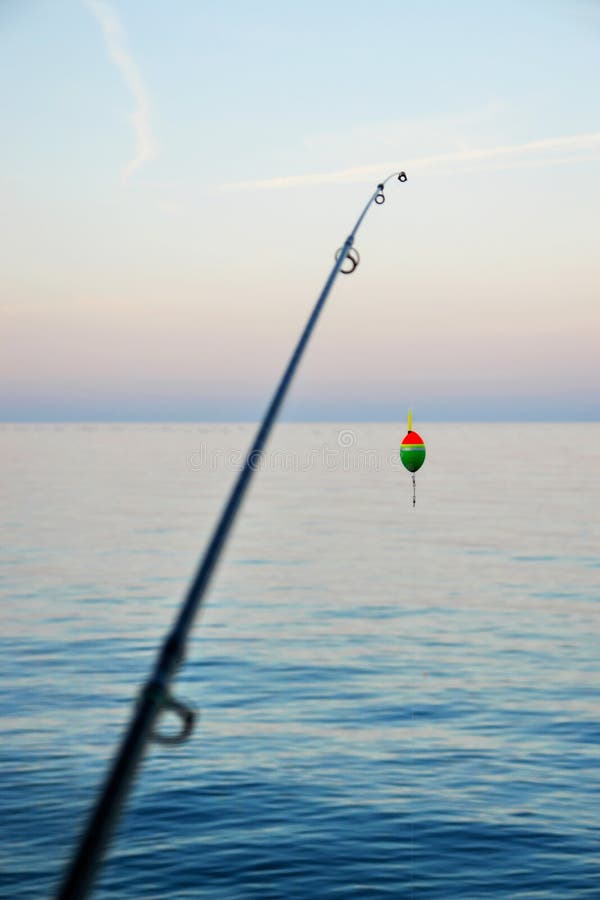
186,718
351,261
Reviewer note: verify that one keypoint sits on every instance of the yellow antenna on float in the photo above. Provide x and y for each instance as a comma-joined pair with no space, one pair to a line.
410,420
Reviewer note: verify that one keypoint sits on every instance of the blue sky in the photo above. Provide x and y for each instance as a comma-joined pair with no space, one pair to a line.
176,178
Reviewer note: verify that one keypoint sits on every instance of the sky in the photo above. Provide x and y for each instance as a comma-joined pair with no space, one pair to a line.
176,178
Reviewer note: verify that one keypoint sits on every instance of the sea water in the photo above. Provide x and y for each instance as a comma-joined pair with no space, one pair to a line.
392,701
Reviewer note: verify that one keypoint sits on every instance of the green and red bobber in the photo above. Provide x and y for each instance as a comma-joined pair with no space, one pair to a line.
412,451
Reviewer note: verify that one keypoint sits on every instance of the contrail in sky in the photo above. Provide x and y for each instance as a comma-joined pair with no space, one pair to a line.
548,151
116,44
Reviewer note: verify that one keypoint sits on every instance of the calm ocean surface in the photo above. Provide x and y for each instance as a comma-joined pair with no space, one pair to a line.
393,702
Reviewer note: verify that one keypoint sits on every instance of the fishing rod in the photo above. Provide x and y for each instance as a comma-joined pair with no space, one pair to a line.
155,696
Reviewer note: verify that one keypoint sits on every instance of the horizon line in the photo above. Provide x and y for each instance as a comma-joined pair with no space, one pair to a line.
283,421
